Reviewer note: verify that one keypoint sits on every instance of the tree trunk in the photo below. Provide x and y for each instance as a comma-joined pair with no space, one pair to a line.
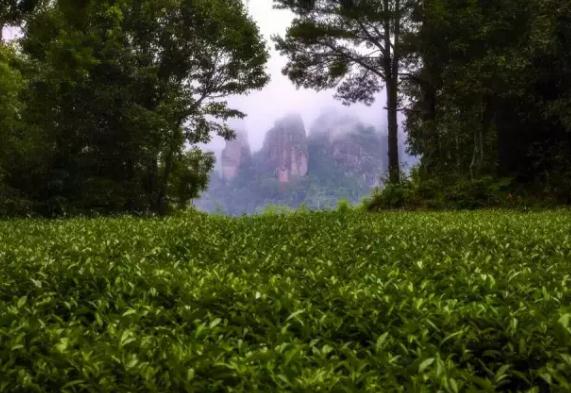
392,112
152,183
476,155
435,154
161,205
391,68
458,155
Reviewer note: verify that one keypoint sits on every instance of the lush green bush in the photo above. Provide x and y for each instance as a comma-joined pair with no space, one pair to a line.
392,196
344,206
12,204
316,302
478,193
416,192
276,210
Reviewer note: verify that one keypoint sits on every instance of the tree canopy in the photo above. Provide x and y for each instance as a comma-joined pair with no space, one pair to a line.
121,92
13,12
355,46
490,95
104,104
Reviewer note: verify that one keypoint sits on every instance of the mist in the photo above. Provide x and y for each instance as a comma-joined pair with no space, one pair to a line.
280,97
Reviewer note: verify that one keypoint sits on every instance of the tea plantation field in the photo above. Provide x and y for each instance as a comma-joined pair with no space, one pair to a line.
309,302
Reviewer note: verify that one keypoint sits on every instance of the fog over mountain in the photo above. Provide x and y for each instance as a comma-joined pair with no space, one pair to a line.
296,146
337,157
280,97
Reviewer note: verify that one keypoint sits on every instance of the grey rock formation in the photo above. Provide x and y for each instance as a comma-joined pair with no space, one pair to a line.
285,149
357,149
340,159
235,155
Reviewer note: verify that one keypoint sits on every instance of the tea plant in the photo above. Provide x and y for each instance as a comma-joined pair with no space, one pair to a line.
313,302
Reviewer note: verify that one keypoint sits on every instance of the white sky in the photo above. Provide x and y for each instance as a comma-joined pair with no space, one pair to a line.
10,33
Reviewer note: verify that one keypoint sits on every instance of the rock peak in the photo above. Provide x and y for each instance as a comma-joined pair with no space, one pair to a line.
285,148
235,155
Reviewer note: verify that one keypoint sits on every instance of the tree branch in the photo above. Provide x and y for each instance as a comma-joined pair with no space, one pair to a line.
355,59
372,39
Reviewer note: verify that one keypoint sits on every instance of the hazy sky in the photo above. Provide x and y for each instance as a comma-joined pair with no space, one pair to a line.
10,33
280,97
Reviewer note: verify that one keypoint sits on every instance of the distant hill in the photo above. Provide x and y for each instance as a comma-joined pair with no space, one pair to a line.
339,158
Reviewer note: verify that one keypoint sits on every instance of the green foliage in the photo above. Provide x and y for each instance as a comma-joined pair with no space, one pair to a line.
344,206
190,176
118,96
391,196
417,192
276,210
490,95
319,302
11,85
354,46
479,193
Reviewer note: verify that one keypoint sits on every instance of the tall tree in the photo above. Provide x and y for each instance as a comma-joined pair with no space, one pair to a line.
11,84
123,88
490,95
354,45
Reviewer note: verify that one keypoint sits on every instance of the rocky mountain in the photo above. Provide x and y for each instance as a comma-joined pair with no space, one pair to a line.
340,158
356,149
285,149
235,156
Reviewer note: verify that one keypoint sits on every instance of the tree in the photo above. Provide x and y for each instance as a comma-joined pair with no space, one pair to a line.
190,176
490,95
11,83
123,88
354,45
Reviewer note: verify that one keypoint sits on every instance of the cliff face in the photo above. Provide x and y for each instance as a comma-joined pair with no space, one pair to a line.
285,149
360,155
235,155
343,142
358,150
340,159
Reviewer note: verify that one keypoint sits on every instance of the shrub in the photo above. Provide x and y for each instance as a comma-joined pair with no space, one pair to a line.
276,210
344,206
461,194
319,302
392,196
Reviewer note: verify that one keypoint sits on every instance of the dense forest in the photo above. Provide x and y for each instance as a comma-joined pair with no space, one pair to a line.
490,97
104,103
485,86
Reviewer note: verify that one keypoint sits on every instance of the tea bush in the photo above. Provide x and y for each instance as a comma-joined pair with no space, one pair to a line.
314,302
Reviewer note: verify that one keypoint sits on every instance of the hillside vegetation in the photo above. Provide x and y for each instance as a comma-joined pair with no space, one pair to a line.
308,302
